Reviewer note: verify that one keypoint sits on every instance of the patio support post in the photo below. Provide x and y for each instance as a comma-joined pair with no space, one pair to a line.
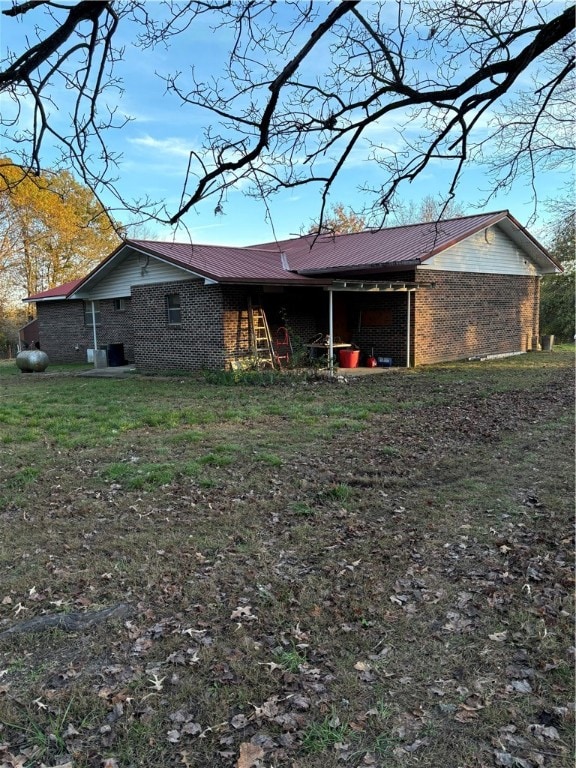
331,331
408,333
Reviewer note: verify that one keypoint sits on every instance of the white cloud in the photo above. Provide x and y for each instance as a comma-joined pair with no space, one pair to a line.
168,146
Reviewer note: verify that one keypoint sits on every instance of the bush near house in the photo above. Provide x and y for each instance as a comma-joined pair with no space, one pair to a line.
558,292
557,298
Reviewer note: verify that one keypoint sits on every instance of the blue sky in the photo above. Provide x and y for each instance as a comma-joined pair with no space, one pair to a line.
156,143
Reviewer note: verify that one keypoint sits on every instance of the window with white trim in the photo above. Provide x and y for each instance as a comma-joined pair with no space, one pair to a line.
88,313
173,309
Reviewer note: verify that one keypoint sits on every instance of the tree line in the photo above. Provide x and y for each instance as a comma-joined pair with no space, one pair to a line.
52,230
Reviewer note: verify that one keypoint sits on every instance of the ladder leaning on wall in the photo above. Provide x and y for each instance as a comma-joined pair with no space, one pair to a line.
261,345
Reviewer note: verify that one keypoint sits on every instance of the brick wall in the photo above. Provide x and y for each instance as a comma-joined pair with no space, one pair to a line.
235,327
214,329
304,311
463,315
195,344
467,315
65,337
386,336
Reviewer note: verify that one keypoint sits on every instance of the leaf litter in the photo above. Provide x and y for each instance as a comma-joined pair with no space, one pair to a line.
420,618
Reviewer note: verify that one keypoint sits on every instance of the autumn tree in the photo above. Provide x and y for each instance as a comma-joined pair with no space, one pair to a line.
52,229
339,221
305,89
12,318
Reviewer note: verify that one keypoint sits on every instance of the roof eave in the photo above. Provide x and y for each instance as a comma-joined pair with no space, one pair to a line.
545,253
82,291
32,299
97,269
363,268
274,281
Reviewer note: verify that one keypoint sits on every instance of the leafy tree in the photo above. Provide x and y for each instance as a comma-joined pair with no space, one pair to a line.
12,318
339,221
52,229
558,291
306,87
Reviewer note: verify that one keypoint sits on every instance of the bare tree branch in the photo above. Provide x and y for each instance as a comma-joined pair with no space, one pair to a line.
25,65
265,123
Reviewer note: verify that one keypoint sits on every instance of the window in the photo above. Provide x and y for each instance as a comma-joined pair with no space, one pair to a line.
119,305
376,318
88,313
173,309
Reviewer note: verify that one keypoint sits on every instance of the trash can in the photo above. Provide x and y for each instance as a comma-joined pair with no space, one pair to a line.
547,343
349,358
115,355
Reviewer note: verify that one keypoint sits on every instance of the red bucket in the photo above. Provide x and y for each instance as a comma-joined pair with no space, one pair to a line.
349,358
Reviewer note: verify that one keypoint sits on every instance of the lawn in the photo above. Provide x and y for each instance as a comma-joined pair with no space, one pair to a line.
282,571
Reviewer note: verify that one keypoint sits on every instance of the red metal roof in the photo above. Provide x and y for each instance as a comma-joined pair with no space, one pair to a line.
59,292
391,247
290,260
225,263
310,259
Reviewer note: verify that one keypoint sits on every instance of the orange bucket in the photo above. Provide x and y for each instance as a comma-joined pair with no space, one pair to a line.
349,358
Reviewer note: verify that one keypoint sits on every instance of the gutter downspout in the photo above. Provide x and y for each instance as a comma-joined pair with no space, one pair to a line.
331,331
94,334
408,333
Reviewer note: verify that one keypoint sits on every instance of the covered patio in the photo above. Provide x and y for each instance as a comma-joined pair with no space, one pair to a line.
373,287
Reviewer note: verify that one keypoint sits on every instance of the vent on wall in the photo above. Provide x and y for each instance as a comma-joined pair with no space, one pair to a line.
143,262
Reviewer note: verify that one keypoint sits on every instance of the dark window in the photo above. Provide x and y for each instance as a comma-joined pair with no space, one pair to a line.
376,318
88,313
173,309
120,305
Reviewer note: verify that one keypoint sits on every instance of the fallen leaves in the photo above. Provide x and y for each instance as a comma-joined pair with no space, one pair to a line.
414,615
243,613
533,750
238,722
469,710
250,754
156,682
10,760
184,725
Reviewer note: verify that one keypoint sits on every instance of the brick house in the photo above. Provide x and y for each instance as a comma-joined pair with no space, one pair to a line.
423,293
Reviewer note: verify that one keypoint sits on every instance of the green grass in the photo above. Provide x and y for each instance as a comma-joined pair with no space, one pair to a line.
321,736
291,659
340,492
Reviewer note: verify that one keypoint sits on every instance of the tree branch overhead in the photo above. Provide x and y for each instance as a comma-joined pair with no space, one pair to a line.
305,84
